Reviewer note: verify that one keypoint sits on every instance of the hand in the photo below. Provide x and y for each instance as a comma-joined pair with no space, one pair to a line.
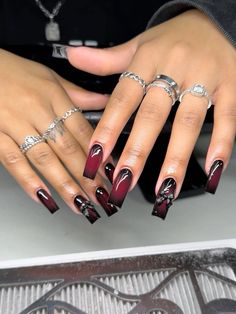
32,96
190,49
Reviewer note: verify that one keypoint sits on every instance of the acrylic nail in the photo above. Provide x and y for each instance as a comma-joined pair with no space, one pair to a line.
214,176
86,208
59,51
93,161
109,171
120,187
164,198
102,197
47,200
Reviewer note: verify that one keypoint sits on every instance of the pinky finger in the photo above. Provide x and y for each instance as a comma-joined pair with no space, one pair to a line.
18,166
222,142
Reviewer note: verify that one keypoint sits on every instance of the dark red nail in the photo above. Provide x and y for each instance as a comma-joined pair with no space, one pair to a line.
102,197
109,170
86,208
47,200
164,198
93,161
214,176
120,187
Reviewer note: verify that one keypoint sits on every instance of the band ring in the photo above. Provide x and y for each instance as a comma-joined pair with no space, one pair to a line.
165,87
136,78
30,141
198,90
170,82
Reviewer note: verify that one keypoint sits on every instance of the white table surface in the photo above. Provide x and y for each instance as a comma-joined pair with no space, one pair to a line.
27,229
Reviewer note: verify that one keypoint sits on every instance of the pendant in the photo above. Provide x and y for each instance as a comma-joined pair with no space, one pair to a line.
52,31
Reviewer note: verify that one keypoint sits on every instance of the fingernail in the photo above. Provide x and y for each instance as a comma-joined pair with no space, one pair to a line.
120,187
164,198
47,200
214,176
59,51
86,208
102,197
109,170
93,161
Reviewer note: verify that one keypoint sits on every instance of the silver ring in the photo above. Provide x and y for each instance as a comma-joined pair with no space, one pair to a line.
55,127
198,90
135,77
69,112
168,80
30,141
165,87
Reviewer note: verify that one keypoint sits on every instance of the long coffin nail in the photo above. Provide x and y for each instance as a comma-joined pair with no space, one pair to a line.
214,176
93,161
109,170
164,198
86,208
120,187
47,200
59,51
102,197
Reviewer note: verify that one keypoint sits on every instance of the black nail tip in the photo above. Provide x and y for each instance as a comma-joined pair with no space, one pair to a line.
86,208
102,197
109,170
47,200
214,176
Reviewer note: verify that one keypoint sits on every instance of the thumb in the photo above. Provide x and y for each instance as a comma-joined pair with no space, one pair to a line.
102,61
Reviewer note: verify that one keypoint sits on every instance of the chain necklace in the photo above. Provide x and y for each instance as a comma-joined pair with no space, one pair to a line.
52,30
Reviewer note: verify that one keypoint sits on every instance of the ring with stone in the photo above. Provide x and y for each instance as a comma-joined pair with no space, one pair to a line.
169,81
136,78
198,90
30,141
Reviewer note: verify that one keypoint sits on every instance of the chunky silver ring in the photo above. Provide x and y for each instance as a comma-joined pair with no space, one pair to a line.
165,87
135,77
168,80
30,141
198,90
69,112
55,127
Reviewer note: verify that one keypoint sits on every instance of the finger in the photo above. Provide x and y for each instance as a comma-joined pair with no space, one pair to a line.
187,125
223,137
18,166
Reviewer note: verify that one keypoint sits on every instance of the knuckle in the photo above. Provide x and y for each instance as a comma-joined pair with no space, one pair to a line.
68,146
84,128
105,131
66,187
134,153
43,157
229,113
180,50
120,100
12,158
52,87
190,120
176,162
150,112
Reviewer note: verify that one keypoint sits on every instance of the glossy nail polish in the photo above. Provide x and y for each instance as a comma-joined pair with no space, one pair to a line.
59,51
47,200
214,176
164,198
86,208
109,170
102,197
93,161
120,187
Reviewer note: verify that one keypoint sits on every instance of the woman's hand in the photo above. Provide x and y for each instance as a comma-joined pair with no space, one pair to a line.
31,97
190,49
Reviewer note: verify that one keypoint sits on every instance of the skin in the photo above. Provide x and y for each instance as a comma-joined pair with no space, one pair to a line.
190,49
31,97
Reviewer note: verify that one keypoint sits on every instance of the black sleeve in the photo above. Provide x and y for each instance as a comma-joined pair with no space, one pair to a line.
221,12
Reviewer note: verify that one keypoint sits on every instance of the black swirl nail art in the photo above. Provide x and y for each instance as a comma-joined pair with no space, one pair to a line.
86,208
164,198
47,200
102,197
214,176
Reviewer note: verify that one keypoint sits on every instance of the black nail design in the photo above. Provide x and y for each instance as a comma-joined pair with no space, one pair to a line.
102,197
120,187
47,200
86,208
59,51
214,176
164,198
109,170
93,161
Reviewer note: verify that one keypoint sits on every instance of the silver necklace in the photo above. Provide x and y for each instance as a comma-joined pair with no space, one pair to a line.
52,29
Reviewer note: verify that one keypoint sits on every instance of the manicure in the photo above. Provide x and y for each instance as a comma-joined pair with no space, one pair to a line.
93,161
47,200
120,187
59,51
164,198
86,208
109,170
214,176
102,197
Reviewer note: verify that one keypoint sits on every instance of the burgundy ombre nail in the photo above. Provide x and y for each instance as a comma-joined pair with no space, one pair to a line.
93,161
164,198
47,200
102,197
86,208
214,176
109,170
120,187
